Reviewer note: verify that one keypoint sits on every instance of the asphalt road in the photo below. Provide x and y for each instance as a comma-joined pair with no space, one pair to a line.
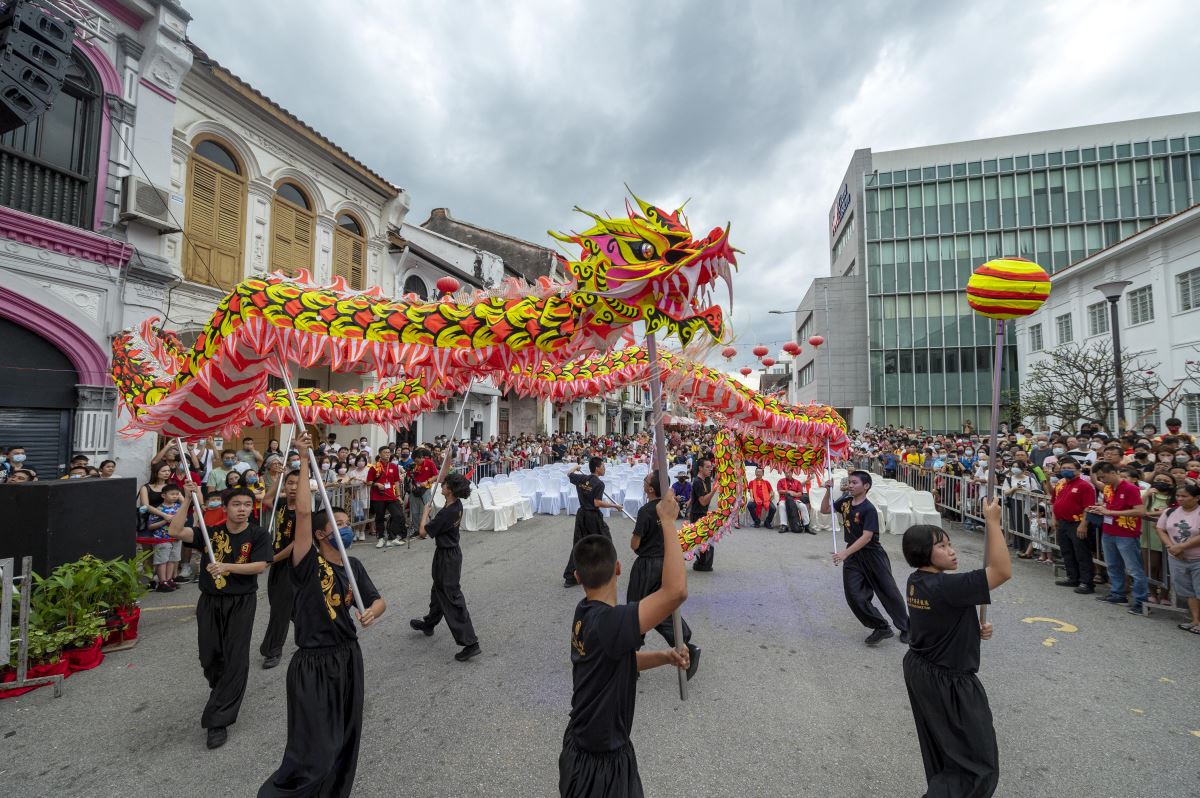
788,700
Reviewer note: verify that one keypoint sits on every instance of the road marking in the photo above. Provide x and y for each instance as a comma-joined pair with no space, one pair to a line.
1059,626
170,607
1165,680
1195,732
1049,642
1138,711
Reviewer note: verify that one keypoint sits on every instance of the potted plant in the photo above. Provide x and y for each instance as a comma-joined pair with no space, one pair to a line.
45,659
121,587
72,600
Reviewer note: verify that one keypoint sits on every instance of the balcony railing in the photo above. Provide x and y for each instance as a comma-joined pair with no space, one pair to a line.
29,185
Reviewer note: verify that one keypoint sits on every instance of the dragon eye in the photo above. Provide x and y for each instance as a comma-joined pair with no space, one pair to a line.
647,250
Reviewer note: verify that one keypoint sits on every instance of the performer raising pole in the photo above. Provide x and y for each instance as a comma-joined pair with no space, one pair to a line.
279,582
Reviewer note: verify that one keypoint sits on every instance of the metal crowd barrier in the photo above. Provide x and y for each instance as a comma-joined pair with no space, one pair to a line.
960,498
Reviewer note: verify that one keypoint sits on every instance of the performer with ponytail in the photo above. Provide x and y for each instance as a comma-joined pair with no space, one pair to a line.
325,677
950,707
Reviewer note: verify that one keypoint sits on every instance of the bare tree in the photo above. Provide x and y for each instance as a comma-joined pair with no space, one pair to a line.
1074,383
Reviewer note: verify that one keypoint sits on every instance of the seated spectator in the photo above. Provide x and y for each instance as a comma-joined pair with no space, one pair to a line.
22,475
76,472
167,553
762,500
794,495
108,469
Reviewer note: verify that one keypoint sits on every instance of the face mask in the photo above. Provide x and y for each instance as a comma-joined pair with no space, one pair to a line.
347,535
214,504
341,471
395,460
1181,461
76,476
18,458
1059,451
1163,486
1095,447
294,464
251,480
227,463
1016,472
970,452
1067,473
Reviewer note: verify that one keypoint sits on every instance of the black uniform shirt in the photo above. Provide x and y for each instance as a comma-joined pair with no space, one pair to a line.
942,624
252,544
321,608
590,488
604,644
858,518
649,530
700,487
444,526
285,526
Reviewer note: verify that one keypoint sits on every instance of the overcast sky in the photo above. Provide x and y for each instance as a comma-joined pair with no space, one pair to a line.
511,113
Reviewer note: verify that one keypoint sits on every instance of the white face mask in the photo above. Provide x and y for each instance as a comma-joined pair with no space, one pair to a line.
1059,451
970,452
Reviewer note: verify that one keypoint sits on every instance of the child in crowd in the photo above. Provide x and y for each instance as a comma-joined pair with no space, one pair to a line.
167,553
1039,534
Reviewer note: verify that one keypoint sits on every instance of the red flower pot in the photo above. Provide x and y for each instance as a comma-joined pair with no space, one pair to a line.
113,625
130,616
83,659
50,669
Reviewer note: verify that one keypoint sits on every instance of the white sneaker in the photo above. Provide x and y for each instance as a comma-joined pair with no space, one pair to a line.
401,542
360,536
382,542
391,543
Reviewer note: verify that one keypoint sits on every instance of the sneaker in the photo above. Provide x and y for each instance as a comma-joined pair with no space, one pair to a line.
878,635
1139,608
163,587
400,542
1111,599
904,637
1067,583
782,529
271,662
1084,590
808,530
171,584
693,661
360,536
467,652
420,626
217,737
382,542
184,578
757,525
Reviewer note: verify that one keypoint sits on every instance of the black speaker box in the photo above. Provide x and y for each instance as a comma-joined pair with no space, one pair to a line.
61,520
35,51
29,19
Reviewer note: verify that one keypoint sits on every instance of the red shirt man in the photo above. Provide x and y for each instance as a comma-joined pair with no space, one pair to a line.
425,471
791,487
384,477
760,491
1122,495
1072,497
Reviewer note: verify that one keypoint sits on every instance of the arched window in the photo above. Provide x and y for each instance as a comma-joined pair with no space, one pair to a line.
48,167
292,230
415,285
350,251
215,222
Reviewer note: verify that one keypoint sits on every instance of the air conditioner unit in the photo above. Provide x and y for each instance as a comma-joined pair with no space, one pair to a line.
145,203
452,406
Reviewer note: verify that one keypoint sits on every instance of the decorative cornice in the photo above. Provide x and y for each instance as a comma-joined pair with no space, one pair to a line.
74,242
130,46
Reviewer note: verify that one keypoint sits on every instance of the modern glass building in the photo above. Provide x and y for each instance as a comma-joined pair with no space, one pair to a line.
916,222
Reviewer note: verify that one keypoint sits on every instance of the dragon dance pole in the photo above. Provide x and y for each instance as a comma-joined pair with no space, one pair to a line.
282,479
997,365
312,465
624,512
664,479
199,512
444,471
834,521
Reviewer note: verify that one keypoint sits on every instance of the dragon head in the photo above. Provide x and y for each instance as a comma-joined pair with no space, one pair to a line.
649,267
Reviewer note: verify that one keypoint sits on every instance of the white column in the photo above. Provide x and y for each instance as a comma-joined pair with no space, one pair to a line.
420,428
578,417
493,422
547,417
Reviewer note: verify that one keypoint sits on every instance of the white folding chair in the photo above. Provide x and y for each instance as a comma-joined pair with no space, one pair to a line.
550,500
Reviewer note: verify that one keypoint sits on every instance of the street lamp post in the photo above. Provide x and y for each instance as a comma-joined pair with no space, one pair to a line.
1112,292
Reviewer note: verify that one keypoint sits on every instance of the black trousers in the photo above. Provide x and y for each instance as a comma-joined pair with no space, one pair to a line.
644,578
1076,552
223,628
868,574
587,522
281,594
756,512
393,511
795,520
954,728
324,723
603,774
446,599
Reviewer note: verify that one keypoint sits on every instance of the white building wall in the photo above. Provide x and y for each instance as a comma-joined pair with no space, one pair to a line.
1156,257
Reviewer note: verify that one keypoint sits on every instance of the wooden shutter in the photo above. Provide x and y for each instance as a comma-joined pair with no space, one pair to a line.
215,220
349,258
291,238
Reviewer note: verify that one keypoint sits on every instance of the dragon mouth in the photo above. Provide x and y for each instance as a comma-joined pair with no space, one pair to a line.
687,290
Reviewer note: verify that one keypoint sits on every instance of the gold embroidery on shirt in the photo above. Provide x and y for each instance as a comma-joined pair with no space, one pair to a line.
332,599
576,641
220,547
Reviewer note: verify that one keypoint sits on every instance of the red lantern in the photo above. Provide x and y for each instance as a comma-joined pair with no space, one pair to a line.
792,348
746,371
447,284
816,340
760,350
729,352
768,361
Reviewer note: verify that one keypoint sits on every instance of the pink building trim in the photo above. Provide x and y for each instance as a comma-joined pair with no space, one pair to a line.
120,13
88,359
112,85
159,90
74,242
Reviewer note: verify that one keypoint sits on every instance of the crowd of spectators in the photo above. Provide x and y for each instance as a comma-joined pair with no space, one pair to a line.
1104,507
